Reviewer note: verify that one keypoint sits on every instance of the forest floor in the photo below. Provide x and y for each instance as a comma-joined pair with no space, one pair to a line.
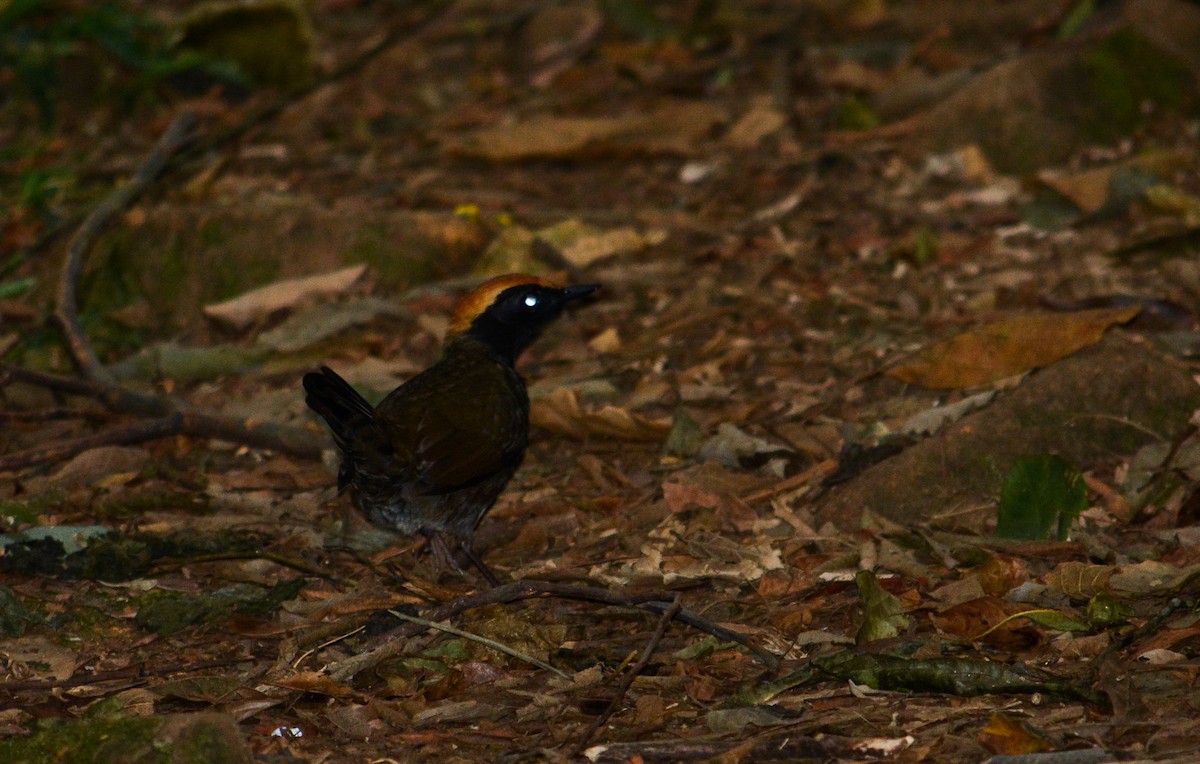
758,516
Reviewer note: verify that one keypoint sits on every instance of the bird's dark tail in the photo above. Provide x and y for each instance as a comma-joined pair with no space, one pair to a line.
337,402
345,411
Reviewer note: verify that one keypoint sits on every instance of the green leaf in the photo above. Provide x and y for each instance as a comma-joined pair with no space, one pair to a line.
1106,610
1041,497
1053,619
1075,19
637,18
11,289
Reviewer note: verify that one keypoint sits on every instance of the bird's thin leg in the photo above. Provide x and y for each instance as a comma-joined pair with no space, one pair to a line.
474,559
441,551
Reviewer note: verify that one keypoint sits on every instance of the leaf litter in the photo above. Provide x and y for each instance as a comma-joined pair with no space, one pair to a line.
684,426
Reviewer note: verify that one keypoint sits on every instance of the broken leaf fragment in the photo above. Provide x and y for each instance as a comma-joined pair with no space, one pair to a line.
1009,347
883,610
1106,610
684,438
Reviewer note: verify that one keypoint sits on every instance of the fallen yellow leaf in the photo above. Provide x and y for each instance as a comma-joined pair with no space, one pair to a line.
1006,348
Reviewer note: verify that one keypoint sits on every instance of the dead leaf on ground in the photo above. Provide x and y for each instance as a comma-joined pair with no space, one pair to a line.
1087,190
1005,734
986,616
321,322
315,681
580,244
35,656
242,311
561,412
1079,580
760,121
1009,347
673,128
96,465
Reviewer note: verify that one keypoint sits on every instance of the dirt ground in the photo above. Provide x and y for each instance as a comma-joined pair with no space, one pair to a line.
865,268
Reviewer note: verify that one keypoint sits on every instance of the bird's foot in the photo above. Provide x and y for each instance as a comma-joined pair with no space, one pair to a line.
475,560
442,552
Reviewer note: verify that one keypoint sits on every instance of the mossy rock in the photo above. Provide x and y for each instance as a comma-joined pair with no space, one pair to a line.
175,739
270,41
1037,109
1103,402
186,256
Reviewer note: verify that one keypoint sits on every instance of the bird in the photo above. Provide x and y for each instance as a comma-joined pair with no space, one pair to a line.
436,453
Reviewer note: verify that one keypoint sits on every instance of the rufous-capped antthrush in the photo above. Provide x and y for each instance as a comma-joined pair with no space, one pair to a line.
434,455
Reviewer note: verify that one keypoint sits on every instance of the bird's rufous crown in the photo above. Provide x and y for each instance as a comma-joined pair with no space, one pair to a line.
481,298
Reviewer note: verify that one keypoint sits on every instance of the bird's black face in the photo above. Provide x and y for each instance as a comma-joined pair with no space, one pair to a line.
534,304
515,317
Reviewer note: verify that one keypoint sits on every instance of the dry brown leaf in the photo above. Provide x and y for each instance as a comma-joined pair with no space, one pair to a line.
673,128
606,342
1080,580
678,496
244,310
1009,347
1087,190
98,466
999,574
1150,577
970,620
316,682
759,122
39,657
587,250
1168,638
562,413
1005,734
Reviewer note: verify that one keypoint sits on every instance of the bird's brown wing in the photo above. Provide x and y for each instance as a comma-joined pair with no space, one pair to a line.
452,447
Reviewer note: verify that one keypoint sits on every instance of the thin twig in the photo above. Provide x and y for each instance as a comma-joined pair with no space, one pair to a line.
138,672
770,747
139,432
527,589
331,641
631,674
278,559
175,138
171,417
194,422
481,640
96,382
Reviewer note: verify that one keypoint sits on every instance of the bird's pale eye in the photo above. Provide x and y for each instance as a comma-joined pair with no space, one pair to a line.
531,301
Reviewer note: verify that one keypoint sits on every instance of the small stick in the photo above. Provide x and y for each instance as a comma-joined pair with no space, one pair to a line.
138,672
481,640
278,559
632,674
52,415
819,470
139,432
527,589
194,422
177,135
